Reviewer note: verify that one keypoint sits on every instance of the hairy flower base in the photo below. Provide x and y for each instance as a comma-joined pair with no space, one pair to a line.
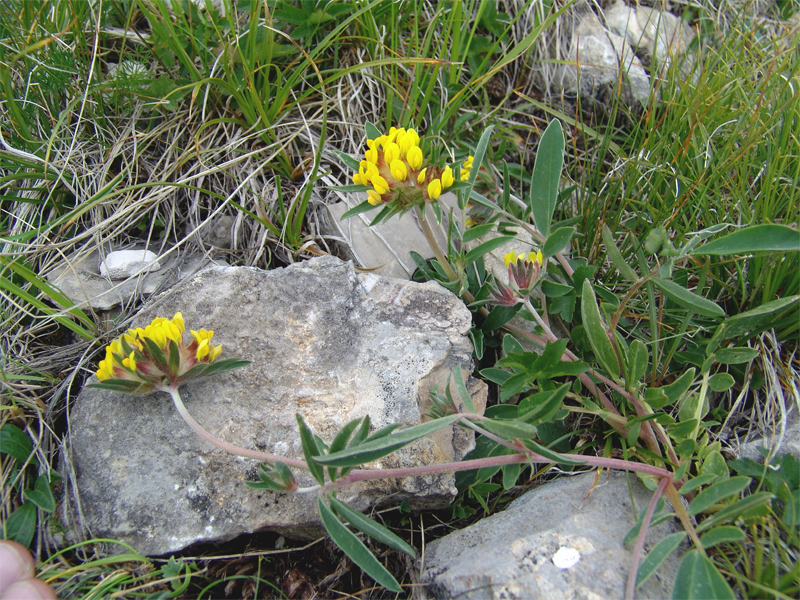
523,273
156,358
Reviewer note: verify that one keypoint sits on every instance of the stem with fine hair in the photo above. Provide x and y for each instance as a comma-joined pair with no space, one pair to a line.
211,439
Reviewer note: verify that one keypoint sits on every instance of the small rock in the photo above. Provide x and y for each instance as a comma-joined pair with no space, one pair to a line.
325,342
122,264
552,542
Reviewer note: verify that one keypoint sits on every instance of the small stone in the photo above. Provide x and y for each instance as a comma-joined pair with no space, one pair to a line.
122,264
566,558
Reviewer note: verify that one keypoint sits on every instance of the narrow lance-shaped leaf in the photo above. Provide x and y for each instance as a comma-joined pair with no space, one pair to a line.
656,557
377,448
486,247
680,295
557,241
355,549
463,393
717,493
769,237
546,176
480,151
616,256
596,331
310,450
373,529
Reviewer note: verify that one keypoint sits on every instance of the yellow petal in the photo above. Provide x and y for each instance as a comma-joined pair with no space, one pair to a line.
414,157
447,178
421,176
391,152
374,197
434,189
380,184
398,169
177,320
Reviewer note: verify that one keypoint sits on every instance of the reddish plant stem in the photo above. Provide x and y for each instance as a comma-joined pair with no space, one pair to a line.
640,539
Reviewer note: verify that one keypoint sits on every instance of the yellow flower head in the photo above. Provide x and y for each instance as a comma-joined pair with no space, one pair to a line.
143,359
466,167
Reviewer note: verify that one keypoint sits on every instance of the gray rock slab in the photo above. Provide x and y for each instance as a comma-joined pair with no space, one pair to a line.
80,280
325,342
522,551
597,57
384,249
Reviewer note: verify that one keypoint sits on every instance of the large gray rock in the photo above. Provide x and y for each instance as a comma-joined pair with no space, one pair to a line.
560,540
598,60
324,342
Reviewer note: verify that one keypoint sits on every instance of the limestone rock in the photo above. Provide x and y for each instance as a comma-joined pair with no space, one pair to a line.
598,57
78,279
121,264
557,541
385,249
325,342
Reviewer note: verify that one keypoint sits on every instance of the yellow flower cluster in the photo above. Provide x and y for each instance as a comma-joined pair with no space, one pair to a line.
132,355
392,166
532,257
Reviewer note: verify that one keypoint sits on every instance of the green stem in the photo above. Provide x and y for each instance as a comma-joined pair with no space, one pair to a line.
430,236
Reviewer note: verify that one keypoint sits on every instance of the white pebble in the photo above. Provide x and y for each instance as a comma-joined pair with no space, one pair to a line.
566,558
122,264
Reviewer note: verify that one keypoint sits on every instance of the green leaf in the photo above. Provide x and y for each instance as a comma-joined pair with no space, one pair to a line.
348,160
510,475
477,231
356,210
41,495
680,295
509,430
310,450
546,409
656,557
116,385
340,442
721,382
486,247
14,442
596,331
564,459
737,509
718,492
754,321
376,448
669,394
616,256
373,529
220,366
557,241
769,237
355,549
697,482
698,579
546,176
463,393
734,356
552,289
637,360
21,525
480,152
372,131
722,535
349,189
